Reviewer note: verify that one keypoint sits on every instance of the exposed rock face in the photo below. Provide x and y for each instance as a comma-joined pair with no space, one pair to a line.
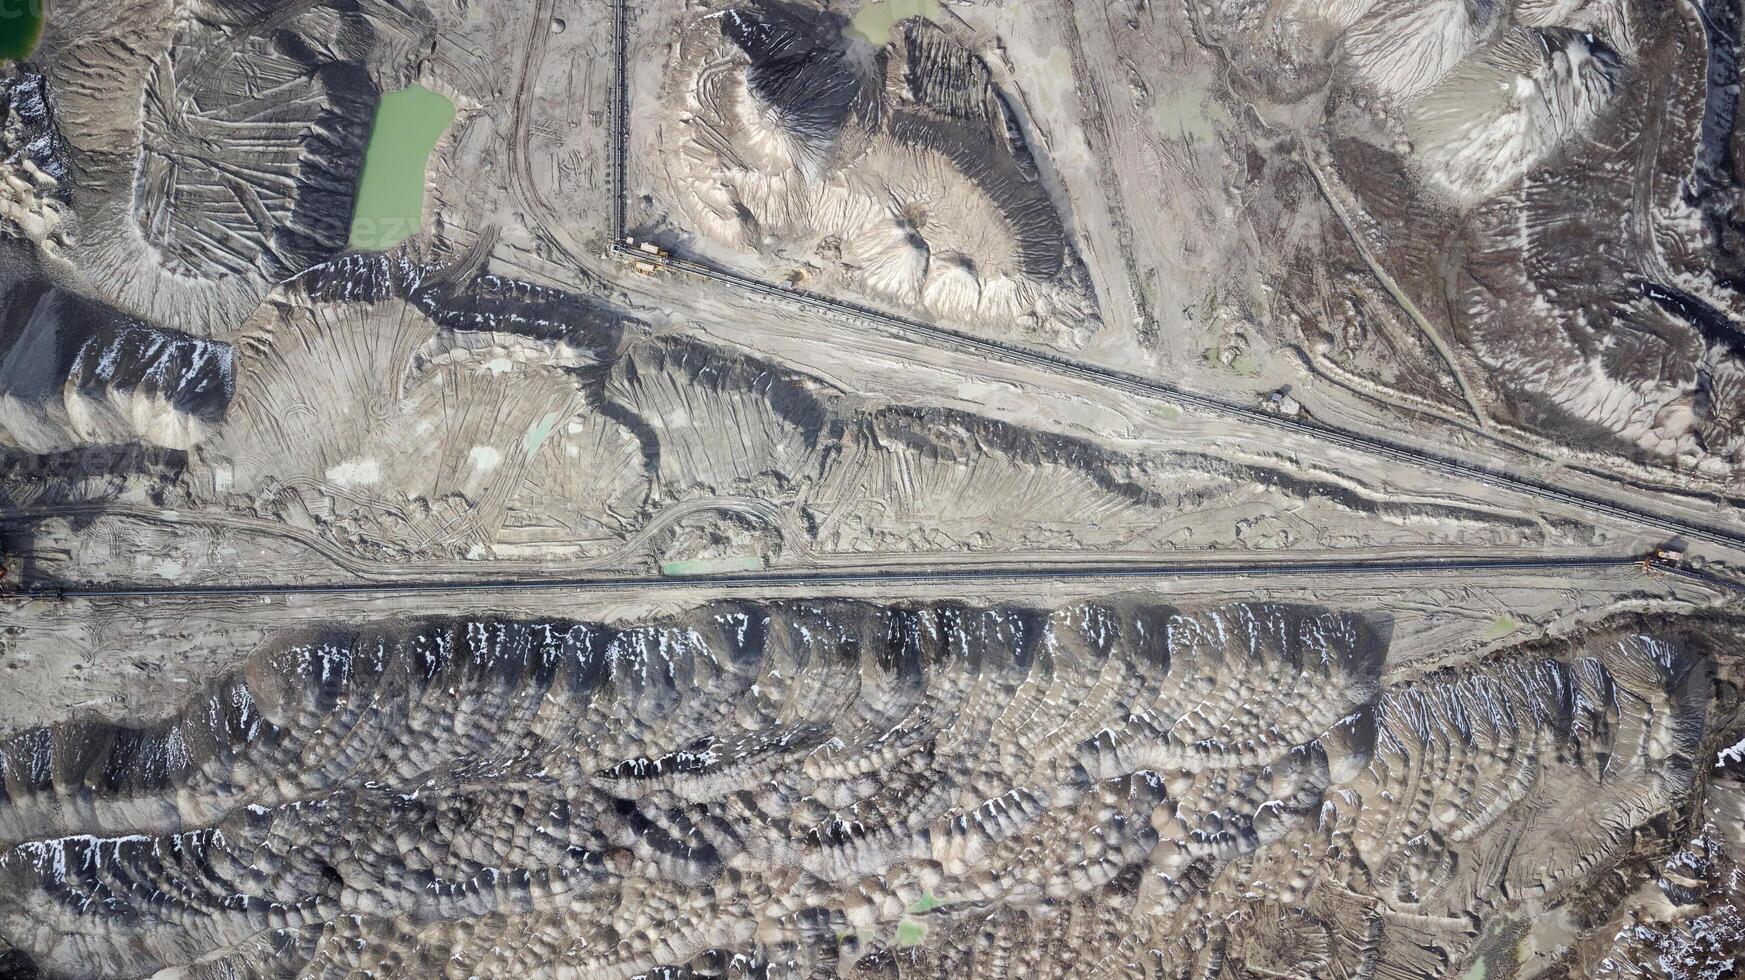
1487,90
165,224
901,174
1499,114
1552,185
836,788
76,373
1691,923
34,191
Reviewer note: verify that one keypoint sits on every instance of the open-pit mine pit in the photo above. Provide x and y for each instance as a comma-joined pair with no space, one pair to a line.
872,489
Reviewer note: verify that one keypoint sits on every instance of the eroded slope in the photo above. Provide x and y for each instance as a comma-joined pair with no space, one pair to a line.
1533,211
837,788
211,155
897,174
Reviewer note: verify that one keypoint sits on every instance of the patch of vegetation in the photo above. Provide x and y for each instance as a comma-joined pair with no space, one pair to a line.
1500,627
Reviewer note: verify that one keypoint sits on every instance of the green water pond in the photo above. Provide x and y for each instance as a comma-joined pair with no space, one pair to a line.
21,27
875,19
390,195
712,566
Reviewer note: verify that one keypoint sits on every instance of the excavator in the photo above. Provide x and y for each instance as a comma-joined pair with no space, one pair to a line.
1669,555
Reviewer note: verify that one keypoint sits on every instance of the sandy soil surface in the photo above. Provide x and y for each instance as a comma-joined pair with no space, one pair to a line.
1052,490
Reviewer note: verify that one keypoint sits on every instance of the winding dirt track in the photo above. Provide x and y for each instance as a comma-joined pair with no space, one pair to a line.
520,169
772,514
929,333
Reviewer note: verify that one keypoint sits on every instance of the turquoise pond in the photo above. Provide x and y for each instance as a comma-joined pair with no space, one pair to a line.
390,195
21,24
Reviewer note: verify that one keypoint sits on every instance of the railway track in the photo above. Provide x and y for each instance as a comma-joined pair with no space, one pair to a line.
895,576
1373,445
1491,474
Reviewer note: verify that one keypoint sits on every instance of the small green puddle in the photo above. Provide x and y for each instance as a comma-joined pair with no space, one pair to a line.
926,903
1500,627
538,433
876,18
390,197
1246,364
712,566
910,933
1476,971
1188,113
21,27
